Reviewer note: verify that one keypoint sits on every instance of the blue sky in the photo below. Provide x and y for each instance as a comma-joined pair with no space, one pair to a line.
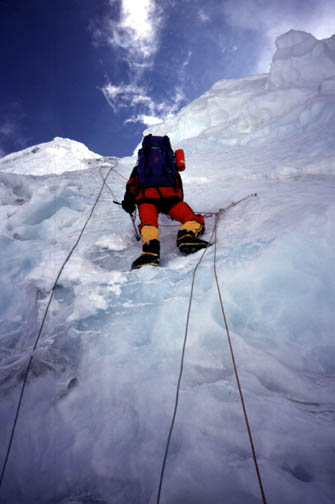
101,71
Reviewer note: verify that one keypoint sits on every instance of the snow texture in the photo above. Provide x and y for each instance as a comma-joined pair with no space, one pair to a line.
97,408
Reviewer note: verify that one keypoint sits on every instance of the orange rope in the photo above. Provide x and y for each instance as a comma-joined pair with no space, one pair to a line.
179,379
217,216
214,234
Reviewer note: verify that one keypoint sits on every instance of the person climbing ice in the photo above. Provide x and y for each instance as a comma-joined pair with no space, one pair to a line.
155,186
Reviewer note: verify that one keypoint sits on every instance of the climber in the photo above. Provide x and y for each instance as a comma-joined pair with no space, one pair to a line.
155,186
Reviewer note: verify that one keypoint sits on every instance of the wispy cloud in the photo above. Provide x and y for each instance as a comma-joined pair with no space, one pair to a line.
143,108
203,16
147,120
125,95
188,59
134,33
132,26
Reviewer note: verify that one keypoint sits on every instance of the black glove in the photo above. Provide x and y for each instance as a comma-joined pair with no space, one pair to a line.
128,203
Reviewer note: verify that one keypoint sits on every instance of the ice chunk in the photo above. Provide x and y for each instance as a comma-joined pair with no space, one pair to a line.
300,61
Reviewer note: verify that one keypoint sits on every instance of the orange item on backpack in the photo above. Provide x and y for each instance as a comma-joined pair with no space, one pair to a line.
180,159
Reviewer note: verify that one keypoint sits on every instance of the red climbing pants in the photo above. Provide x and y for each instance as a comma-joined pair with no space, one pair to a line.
180,211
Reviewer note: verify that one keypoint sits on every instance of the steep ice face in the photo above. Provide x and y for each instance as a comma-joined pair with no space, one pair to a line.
295,99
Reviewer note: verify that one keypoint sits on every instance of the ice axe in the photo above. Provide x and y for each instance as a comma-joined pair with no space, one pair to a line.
132,218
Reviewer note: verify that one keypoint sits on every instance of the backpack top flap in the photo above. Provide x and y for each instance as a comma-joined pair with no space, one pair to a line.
156,164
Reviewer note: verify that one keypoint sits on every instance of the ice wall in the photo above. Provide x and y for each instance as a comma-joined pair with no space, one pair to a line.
294,100
303,61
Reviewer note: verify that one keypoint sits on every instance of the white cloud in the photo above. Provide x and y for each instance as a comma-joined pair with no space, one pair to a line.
126,95
135,32
136,35
203,16
143,108
147,120
188,59
137,23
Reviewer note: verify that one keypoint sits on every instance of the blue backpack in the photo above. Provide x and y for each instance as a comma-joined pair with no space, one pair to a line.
156,166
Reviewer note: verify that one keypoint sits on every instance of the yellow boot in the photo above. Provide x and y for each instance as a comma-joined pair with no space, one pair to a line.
187,238
151,248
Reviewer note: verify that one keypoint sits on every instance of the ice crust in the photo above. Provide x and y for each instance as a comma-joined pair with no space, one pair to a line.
100,396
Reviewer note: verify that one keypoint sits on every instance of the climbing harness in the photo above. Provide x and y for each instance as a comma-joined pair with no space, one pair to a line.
25,378
214,234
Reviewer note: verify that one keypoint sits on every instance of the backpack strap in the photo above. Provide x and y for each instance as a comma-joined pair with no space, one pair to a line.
168,143
146,141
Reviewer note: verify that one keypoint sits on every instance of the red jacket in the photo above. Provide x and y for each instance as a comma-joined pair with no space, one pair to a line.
144,195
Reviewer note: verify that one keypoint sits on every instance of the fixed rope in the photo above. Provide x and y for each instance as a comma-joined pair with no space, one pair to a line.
166,452
252,445
179,378
25,378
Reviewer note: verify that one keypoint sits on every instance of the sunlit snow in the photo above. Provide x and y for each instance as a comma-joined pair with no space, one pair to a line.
96,412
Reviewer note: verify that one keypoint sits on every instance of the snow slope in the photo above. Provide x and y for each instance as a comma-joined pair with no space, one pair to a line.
59,156
96,412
